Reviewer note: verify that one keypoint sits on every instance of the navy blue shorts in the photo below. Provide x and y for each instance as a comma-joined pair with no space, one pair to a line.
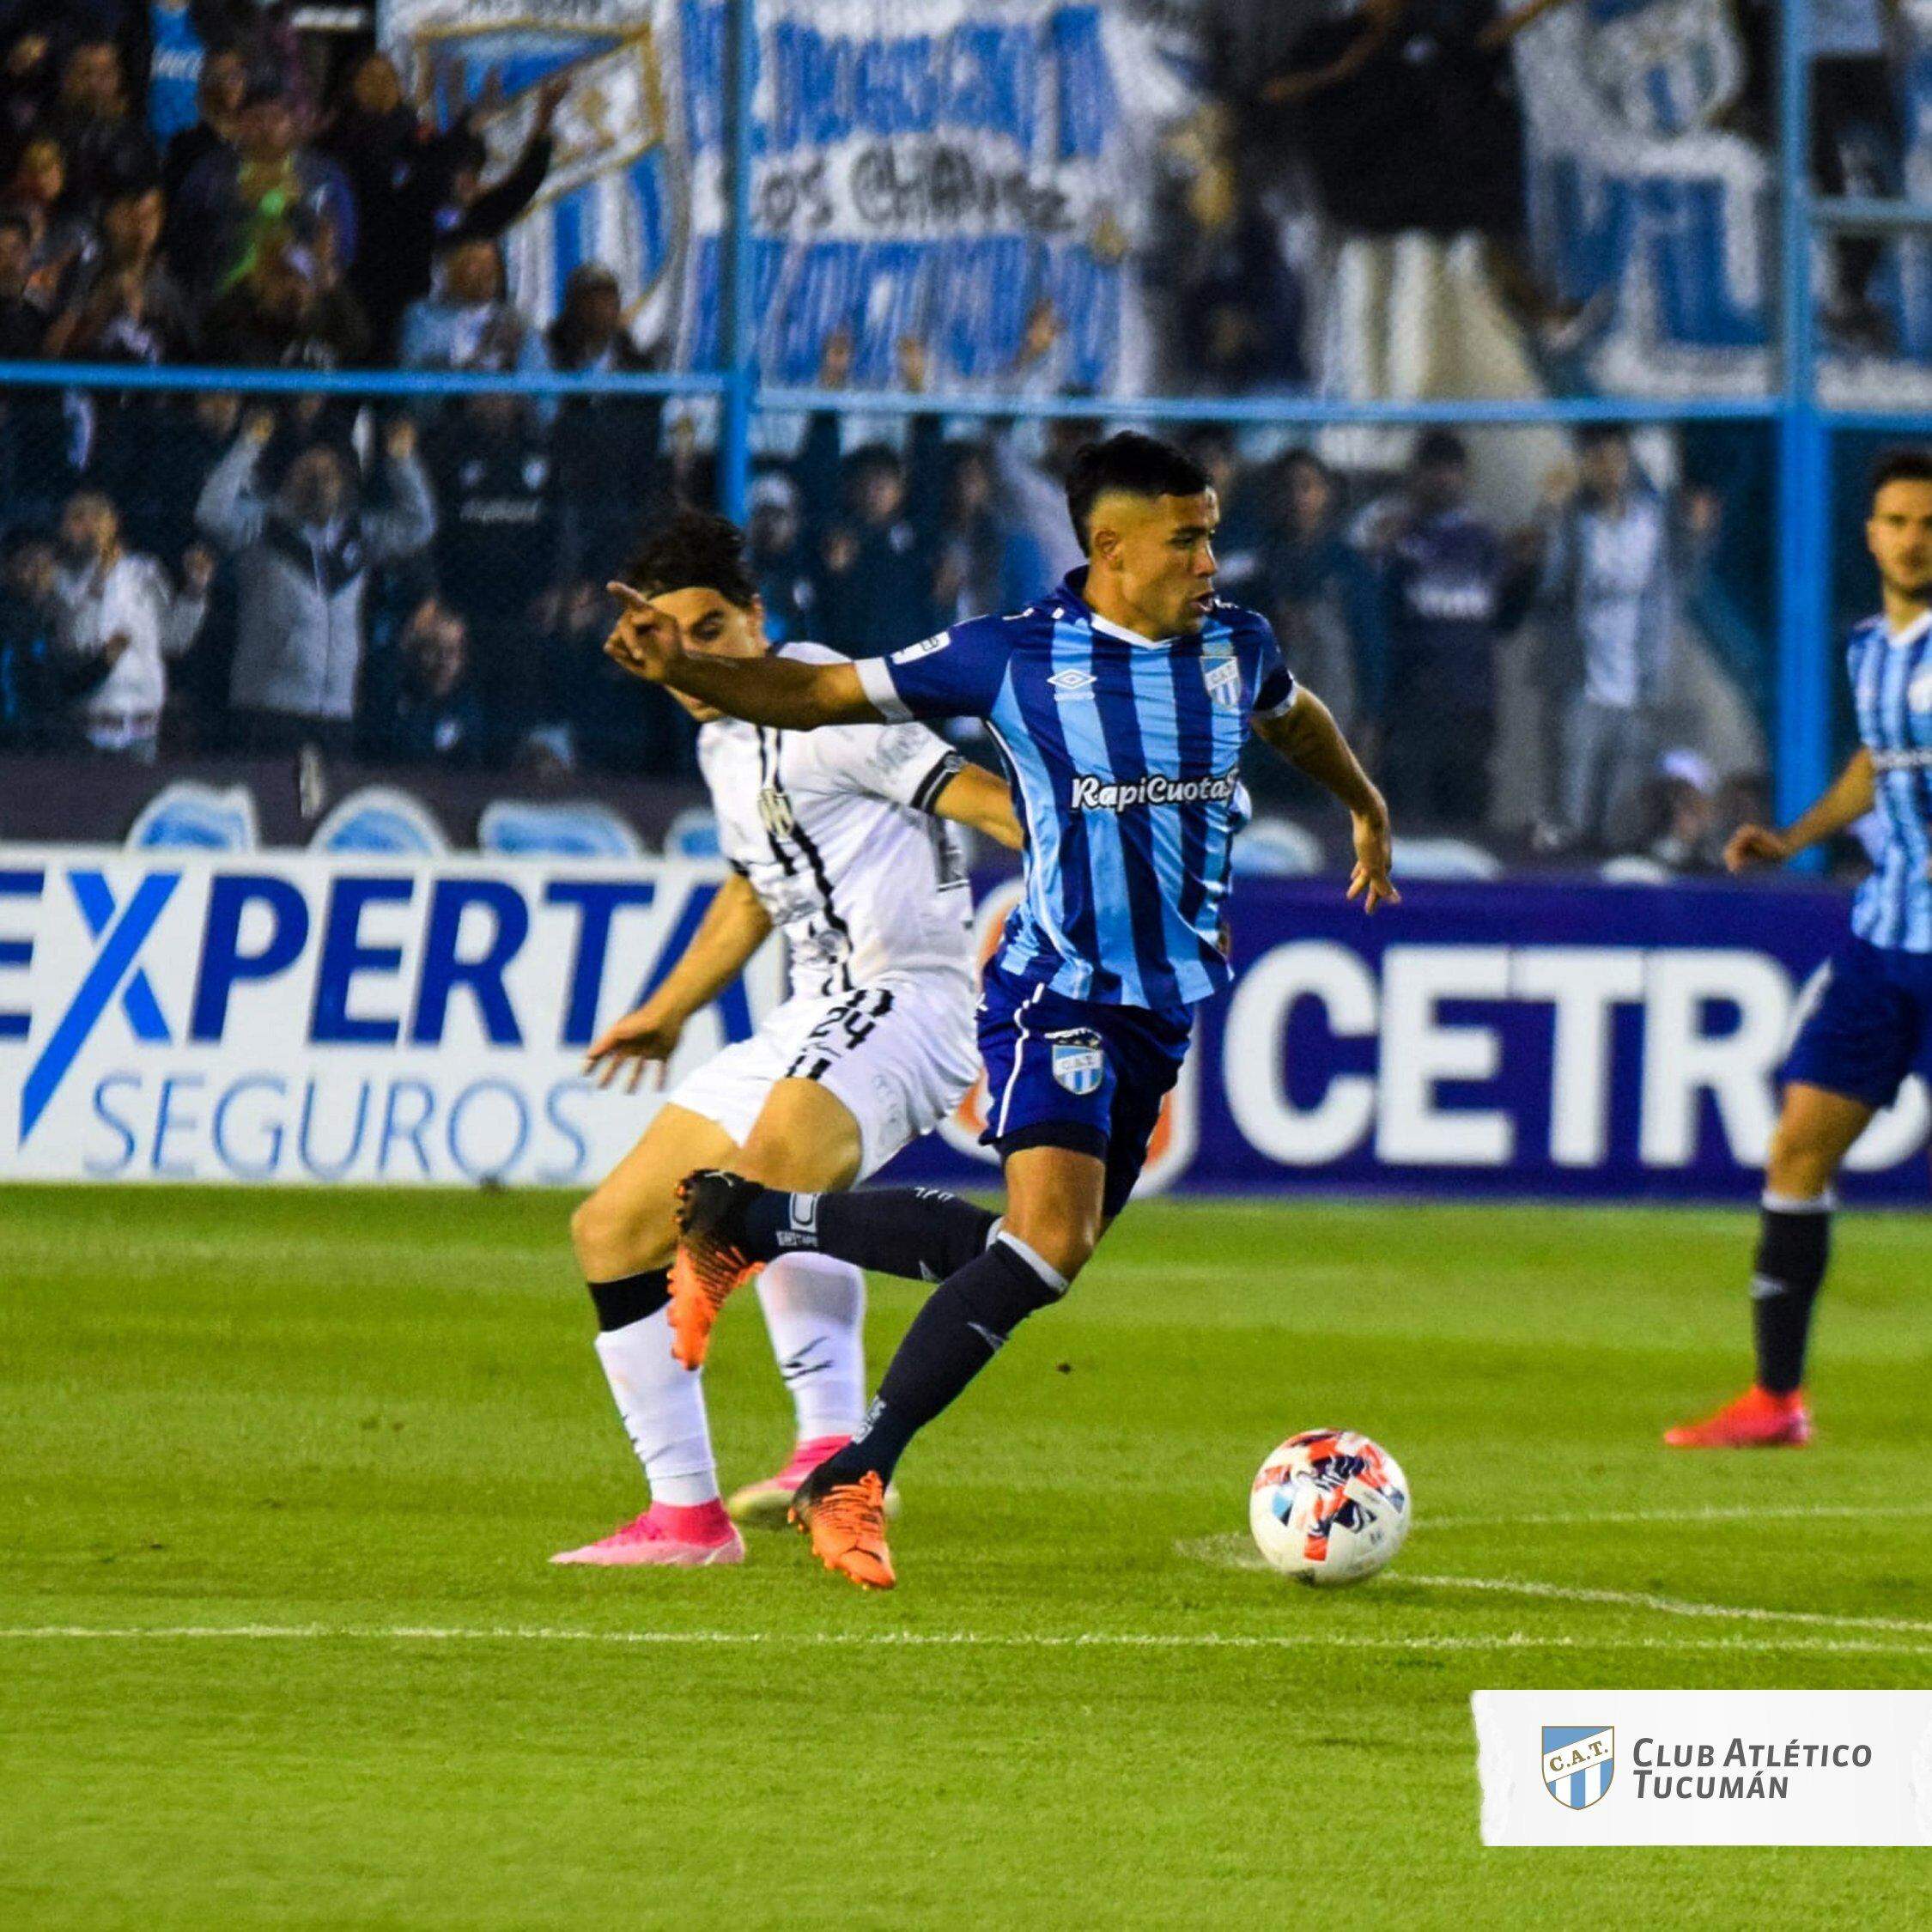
1077,1073
1872,1025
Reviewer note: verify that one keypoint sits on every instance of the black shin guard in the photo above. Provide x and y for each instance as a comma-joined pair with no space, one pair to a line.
633,1297
1793,1246
923,1234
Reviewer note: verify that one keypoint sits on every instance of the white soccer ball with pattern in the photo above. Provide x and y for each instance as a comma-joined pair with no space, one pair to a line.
1330,1507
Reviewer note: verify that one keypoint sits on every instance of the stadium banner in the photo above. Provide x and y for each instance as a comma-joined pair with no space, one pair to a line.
299,1017
934,169
1560,1038
311,1017
1650,213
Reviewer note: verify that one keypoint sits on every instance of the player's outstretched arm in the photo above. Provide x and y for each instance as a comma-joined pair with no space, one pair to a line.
735,925
1308,737
975,796
775,691
1850,799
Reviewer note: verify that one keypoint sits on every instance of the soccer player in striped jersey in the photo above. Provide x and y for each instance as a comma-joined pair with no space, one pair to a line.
1872,1025
1121,702
839,841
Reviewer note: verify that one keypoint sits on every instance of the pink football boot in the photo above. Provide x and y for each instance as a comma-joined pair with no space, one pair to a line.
763,1505
1757,1419
686,1539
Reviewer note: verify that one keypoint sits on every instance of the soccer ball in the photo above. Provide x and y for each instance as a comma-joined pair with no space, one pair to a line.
1330,1507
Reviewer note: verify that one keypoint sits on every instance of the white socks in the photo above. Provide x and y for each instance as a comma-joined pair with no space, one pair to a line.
663,1407
815,1308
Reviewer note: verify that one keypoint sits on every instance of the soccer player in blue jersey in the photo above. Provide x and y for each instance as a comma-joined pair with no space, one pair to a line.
1873,1024
1120,703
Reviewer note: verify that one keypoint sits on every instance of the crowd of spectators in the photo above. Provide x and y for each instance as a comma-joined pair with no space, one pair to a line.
423,583
1337,136
405,594
187,182
250,214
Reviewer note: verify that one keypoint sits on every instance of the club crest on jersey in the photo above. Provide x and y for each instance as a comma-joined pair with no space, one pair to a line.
1918,693
775,813
1076,1062
1578,1762
1224,685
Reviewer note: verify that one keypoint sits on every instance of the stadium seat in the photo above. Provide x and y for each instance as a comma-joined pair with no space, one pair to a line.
1444,859
188,816
1278,849
579,829
693,834
380,818
1632,868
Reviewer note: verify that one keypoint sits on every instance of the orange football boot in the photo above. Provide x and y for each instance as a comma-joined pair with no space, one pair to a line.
708,1265
845,1522
1757,1419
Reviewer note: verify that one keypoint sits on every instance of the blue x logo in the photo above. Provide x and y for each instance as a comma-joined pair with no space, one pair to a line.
122,933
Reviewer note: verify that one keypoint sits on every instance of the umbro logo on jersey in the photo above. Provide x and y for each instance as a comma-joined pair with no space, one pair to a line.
1072,684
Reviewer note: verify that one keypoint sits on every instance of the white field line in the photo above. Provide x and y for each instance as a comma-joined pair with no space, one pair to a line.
1672,1606
1337,1638
1747,1512
1236,1553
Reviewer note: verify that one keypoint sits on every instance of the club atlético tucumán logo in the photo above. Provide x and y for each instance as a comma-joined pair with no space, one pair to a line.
1578,1762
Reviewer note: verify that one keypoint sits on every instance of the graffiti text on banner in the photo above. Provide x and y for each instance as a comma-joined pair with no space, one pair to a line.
933,172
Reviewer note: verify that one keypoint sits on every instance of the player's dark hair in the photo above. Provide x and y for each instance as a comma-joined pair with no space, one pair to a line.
694,551
1909,463
1441,449
871,459
1603,435
1303,457
1135,464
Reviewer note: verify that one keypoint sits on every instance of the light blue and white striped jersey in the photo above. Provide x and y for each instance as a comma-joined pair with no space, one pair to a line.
1125,755
1891,684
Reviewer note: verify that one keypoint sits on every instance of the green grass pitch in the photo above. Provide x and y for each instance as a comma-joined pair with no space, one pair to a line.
357,1424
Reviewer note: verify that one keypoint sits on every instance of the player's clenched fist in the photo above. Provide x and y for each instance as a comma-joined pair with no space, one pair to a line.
1755,845
646,642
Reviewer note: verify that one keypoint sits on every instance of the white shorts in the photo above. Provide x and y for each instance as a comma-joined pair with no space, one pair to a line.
898,1054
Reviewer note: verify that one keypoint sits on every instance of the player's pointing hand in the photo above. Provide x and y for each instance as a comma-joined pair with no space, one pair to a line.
646,642
1374,848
